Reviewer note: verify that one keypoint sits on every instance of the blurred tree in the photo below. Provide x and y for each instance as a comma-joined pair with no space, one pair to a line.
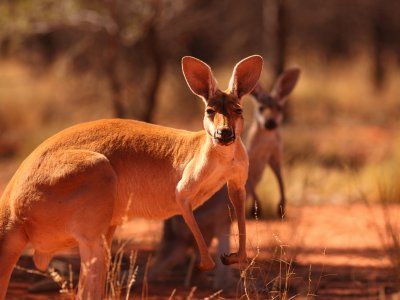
379,43
281,36
159,60
133,43
384,29
275,38
127,42
95,36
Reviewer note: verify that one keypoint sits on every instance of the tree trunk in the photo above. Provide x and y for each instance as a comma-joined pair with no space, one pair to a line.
157,57
378,39
281,35
112,62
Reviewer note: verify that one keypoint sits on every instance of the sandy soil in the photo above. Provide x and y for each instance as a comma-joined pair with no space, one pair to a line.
333,252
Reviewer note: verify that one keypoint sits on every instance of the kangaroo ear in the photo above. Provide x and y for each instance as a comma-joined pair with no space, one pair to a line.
258,92
245,75
199,77
285,83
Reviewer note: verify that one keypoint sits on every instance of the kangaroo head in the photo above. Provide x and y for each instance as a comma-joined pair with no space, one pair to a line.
223,118
269,106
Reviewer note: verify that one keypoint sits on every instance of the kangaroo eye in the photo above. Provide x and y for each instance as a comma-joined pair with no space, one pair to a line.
261,109
210,111
239,111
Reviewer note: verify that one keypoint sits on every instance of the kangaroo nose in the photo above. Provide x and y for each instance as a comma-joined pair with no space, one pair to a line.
270,124
224,134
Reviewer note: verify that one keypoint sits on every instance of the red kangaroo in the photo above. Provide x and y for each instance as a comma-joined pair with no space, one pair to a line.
213,217
81,183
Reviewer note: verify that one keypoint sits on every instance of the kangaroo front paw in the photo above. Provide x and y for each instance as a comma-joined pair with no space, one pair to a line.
229,259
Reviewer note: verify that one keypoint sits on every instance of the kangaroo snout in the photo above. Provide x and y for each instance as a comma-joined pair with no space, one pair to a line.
270,124
225,135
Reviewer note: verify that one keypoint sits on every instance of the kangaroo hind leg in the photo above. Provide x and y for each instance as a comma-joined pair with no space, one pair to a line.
93,270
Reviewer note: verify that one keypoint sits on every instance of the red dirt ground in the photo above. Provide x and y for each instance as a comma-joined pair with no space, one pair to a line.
331,252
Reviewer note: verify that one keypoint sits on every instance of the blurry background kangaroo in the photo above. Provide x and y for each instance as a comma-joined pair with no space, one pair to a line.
264,141
79,184
264,144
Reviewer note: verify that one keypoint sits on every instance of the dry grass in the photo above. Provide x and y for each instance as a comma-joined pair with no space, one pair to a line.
273,277
389,200
376,182
118,280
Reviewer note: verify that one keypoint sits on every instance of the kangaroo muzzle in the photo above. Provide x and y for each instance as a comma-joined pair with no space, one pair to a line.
224,136
270,124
